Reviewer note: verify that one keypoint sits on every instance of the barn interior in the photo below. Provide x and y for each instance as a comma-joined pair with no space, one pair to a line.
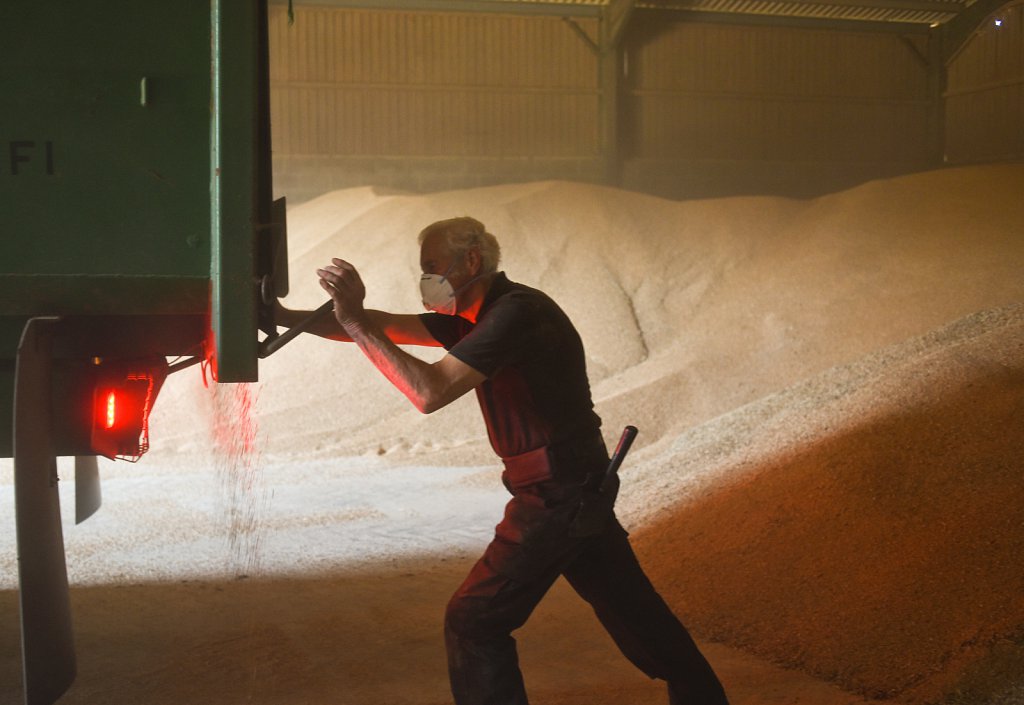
790,236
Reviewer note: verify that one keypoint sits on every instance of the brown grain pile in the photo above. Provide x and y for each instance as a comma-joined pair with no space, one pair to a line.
864,525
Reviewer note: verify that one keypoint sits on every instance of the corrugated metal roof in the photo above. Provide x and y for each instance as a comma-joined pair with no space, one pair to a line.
927,12
896,12
909,11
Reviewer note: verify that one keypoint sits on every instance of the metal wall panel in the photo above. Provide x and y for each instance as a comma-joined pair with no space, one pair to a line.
363,83
429,100
985,92
731,92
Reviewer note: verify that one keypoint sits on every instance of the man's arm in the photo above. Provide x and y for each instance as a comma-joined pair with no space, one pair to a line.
402,329
429,386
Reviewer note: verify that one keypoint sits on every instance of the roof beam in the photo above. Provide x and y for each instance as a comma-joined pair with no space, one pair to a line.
957,32
902,12
842,25
617,16
945,6
581,33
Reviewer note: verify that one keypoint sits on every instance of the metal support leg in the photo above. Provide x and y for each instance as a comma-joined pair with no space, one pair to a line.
48,653
88,496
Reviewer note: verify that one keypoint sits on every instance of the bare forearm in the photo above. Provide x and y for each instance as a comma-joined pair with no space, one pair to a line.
429,386
418,380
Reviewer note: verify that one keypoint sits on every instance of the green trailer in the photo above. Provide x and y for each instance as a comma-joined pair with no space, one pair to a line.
138,225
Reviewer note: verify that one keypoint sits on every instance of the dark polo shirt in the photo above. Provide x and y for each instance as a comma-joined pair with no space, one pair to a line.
536,392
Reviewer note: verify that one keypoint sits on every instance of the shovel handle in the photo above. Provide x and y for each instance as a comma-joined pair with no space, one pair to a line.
271,345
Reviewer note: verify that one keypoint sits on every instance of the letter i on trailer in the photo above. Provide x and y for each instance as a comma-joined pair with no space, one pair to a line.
138,225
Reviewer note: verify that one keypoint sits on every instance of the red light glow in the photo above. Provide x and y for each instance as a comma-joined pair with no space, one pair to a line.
111,409
122,400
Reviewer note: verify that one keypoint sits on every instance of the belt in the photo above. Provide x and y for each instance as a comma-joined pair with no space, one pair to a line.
567,461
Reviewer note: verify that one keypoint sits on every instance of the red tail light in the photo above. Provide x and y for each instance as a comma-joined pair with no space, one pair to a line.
111,409
122,399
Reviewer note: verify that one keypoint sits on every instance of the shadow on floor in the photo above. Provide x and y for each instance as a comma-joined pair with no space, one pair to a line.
370,636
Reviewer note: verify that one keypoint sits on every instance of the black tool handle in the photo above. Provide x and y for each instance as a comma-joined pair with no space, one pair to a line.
625,441
274,344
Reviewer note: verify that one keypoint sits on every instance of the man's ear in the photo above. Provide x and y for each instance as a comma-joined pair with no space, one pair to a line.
473,261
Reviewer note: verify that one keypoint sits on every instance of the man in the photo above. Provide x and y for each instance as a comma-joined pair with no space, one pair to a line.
524,358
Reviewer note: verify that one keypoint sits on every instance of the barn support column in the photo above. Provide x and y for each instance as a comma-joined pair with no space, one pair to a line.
607,49
936,93
613,24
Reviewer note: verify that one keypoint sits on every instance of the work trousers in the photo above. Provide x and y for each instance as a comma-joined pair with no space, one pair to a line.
533,545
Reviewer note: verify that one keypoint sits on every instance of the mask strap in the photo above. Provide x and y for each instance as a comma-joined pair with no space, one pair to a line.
463,287
444,277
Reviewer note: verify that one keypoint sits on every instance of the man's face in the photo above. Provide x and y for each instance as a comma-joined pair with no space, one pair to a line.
436,258
434,255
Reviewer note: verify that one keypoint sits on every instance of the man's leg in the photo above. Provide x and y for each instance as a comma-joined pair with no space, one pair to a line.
607,575
483,665
497,597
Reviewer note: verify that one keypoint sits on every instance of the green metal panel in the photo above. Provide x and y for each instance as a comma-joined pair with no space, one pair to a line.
105,130
134,165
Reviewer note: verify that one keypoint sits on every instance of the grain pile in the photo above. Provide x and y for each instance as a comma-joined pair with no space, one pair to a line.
865,524
688,309
829,465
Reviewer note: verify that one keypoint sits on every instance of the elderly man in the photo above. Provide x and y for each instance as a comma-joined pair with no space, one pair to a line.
524,358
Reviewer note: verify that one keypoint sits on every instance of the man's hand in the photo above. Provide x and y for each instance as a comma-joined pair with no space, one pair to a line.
341,280
429,386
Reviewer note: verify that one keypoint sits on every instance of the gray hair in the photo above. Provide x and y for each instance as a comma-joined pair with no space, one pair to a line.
465,234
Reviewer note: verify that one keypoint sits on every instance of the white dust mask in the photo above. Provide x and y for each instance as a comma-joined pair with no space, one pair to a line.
438,293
